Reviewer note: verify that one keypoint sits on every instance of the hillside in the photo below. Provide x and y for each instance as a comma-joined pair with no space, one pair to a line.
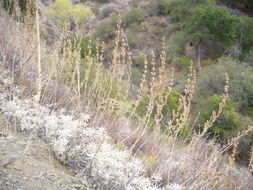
125,94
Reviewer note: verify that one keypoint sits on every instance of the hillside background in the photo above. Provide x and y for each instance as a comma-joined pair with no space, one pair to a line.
170,81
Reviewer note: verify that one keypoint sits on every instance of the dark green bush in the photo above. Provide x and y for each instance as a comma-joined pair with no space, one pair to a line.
138,61
181,62
107,11
106,30
228,124
134,16
85,43
133,40
152,8
245,34
164,7
244,4
211,81
9,5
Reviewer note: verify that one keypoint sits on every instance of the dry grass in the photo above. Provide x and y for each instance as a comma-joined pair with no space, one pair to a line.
193,163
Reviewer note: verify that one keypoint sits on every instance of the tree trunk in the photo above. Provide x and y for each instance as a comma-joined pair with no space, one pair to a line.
198,57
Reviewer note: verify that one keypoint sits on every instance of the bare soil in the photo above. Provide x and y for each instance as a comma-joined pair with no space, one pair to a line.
26,163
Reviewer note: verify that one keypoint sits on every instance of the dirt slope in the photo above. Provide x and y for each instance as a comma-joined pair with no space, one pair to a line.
26,163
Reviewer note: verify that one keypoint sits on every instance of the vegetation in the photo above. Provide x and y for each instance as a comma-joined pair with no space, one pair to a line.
10,5
241,78
243,4
135,16
106,30
62,11
208,22
228,124
147,88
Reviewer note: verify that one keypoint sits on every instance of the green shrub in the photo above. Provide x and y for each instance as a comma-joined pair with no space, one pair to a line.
181,62
157,33
136,76
133,40
138,61
164,7
228,124
211,81
134,16
179,9
62,11
245,4
8,5
245,34
171,104
106,30
107,11
85,43
151,9
176,44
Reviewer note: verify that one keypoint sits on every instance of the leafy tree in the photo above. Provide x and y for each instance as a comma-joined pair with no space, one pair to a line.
62,11
209,23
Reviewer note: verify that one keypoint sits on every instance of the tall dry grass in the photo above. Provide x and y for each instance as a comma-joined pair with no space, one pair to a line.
78,84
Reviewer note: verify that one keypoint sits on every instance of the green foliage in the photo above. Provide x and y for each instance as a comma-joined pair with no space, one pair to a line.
9,6
136,77
99,80
175,44
172,103
107,11
62,11
228,124
88,44
244,4
182,62
249,58
106,30
245,33
139,61
157,32
133,40
164,7
179,9
152,9
211,81
134,16
209,22
208,26
249,111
